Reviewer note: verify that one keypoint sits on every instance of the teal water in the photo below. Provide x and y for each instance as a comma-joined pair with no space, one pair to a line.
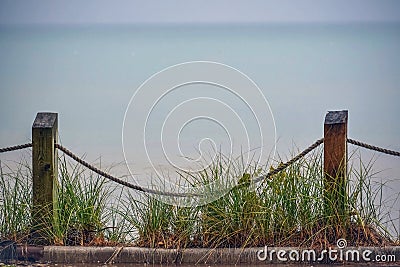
88,74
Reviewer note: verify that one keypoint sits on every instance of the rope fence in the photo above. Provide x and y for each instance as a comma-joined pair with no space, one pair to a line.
283,166
375,148
14,148
141,189
114,179
280,168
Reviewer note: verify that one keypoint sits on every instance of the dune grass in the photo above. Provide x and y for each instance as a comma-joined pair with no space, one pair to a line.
80,205
292,208
15,200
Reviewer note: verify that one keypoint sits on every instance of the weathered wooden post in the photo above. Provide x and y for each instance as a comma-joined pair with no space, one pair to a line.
44,167
335,161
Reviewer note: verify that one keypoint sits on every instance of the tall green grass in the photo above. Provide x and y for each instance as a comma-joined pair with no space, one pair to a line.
80,206
292,208
80,211
15,200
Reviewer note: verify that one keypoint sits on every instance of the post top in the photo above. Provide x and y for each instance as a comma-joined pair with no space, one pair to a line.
45,120
336,117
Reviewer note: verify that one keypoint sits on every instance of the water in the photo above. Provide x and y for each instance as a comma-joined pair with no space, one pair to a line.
88,74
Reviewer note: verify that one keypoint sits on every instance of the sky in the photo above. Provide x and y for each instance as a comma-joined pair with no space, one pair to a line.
191,11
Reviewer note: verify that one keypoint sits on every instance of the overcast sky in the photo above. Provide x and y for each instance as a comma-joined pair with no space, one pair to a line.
200,11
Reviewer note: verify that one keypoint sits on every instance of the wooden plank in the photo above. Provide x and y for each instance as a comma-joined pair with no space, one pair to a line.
44,167
335,158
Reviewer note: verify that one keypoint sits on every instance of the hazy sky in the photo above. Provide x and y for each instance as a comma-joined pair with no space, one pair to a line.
190,11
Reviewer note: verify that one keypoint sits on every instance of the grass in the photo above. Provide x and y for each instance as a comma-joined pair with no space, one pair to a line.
15,200
292,208
80,209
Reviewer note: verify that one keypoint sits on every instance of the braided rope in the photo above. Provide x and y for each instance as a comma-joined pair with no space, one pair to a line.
114,179
138,188
135,187
13,148
280,168
371,147
290,162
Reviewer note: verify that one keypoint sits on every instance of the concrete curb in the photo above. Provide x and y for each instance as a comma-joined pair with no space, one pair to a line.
264,255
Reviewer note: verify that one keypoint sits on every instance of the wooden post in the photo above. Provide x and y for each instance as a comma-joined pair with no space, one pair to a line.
335,161
44,167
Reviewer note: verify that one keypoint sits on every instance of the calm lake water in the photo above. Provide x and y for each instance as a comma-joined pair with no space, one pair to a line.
88,74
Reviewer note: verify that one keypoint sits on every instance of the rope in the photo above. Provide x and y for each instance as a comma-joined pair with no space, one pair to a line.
371,147
13,148
135,187
283,166
146,190
280,168
119,181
